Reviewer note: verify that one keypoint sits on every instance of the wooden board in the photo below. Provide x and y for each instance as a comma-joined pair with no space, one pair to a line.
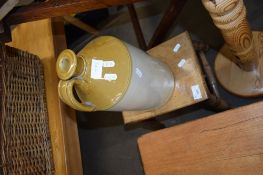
226,143
37,38
186,76
55,8
236,80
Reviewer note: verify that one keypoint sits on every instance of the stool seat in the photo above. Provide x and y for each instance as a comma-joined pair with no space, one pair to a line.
190,86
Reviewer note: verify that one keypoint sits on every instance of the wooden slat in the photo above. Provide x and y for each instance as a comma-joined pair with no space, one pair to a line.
226,143
37,38
55,8
187,75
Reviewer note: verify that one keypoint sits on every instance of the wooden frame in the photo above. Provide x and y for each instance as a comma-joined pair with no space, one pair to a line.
46,39
55,8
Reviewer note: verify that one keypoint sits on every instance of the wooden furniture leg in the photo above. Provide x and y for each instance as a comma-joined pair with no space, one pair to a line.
238,65
169,16
215,101
137,27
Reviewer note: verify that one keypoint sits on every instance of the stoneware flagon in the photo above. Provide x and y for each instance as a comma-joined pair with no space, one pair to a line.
111,75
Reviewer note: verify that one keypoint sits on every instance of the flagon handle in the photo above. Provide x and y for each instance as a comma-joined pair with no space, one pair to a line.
65,91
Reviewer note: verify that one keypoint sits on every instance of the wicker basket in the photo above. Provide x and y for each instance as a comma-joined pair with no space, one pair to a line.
25,138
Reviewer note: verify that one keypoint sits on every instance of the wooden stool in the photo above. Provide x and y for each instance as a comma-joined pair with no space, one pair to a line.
190,85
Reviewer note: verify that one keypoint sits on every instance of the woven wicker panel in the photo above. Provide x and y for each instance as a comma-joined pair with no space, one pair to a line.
25,138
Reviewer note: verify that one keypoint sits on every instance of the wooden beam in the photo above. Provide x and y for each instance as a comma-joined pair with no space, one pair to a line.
54,8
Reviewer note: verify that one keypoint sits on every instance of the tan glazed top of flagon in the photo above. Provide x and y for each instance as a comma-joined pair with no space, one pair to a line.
100,74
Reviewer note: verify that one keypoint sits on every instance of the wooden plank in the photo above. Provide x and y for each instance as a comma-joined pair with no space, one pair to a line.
73,158
55,8
186,75
226,143
37,38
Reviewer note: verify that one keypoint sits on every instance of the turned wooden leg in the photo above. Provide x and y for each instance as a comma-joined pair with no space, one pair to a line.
238,65
137,27
215,102
169,16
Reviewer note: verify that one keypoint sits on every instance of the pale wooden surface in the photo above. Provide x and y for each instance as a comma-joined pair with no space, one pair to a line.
37,38
236,80
185,77
226,143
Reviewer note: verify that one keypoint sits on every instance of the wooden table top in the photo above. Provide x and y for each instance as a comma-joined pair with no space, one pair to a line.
230,142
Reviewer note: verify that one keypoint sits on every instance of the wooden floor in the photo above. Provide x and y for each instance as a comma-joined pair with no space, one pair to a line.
226,143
